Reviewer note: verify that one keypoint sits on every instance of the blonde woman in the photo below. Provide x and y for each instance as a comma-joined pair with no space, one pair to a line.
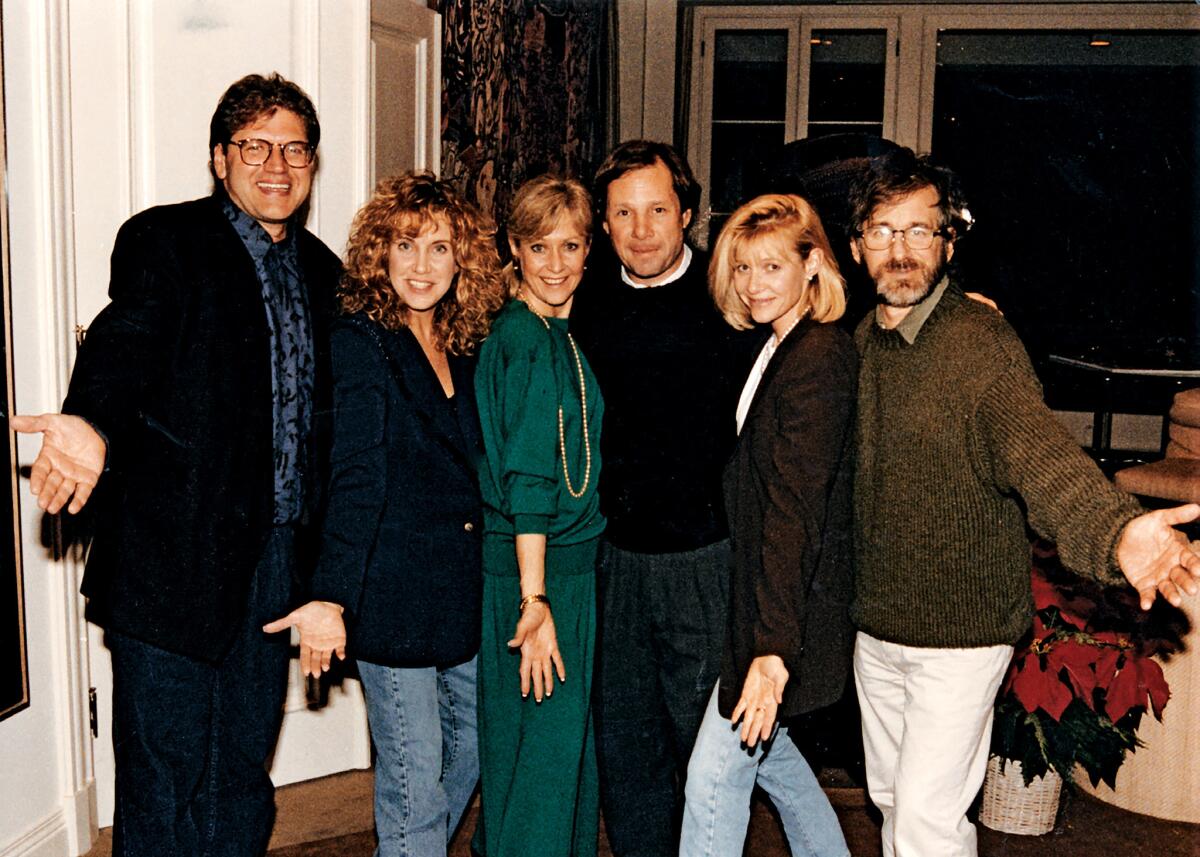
540,411
787,496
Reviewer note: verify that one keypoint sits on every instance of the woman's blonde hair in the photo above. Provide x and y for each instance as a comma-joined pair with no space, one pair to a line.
405,206
537,207
790,220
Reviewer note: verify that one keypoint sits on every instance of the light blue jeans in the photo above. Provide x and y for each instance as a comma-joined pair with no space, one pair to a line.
426,754
721,776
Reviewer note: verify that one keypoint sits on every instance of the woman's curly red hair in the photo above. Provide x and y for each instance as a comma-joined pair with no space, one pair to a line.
405,206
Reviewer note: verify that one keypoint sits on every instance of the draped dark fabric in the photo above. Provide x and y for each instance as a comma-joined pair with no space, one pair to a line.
525,91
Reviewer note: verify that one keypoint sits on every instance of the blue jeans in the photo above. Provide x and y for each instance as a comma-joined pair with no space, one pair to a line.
426,753
721,776
191,739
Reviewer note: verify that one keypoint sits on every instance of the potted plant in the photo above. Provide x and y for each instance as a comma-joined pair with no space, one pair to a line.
1079,683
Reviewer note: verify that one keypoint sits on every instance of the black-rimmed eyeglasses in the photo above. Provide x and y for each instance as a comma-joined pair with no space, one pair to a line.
914,237
257,152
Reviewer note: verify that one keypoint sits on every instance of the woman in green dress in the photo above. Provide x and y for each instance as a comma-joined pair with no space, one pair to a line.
540,410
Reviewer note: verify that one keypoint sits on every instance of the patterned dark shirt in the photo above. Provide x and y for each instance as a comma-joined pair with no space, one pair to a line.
292,361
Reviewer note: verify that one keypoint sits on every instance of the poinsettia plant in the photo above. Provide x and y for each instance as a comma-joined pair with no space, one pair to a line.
1083,676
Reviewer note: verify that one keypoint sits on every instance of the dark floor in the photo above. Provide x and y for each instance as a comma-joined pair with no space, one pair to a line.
1086,828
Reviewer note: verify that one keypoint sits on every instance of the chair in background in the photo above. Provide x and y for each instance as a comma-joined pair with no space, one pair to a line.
1177,476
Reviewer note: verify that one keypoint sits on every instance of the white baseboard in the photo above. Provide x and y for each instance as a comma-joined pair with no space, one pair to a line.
70,831
49,838
79,816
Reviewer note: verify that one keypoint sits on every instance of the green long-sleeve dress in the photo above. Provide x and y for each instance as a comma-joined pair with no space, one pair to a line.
537,760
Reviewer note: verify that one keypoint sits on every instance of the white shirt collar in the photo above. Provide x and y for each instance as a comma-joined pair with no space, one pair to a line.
679,272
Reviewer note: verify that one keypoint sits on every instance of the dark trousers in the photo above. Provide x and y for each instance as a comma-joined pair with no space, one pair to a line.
191,739
662,632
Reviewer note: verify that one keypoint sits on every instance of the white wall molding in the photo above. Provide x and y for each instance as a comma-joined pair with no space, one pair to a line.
306,64
139,119
47,838
343,181
49,744
69,640
79,816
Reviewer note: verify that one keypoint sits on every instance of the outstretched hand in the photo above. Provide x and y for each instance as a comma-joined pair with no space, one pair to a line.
1157,559
69,463
322,634
762,694
540,659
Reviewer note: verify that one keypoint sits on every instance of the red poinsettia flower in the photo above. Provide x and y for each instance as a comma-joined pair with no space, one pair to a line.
1137,679
1066,657
1079,661
1045,593
1106,666
1037,687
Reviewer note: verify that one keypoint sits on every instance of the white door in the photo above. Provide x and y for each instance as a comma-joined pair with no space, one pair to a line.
405,88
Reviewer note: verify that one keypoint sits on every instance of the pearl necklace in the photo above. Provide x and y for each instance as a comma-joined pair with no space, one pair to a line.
772,346
562,437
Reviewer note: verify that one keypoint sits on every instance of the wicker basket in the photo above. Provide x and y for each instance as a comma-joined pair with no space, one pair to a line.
1010,806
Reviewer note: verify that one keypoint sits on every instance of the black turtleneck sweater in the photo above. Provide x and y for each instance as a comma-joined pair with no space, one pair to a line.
670,369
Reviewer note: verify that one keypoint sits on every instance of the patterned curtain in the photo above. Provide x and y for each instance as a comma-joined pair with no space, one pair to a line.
526,88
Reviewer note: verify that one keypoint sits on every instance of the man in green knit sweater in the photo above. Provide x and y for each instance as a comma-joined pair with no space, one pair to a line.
956,451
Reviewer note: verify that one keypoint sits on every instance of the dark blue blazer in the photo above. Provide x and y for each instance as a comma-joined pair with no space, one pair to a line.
401,541
176,373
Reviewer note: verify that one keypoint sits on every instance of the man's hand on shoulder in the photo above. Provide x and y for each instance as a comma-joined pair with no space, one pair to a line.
983,299
1156,558
69,463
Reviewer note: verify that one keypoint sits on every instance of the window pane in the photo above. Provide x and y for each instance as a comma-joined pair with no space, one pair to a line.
1080,163
740,156
750,74
847,75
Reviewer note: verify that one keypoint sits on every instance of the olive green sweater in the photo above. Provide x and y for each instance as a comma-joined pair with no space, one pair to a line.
956,451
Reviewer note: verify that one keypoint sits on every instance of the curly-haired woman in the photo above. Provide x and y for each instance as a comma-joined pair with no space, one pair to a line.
400,553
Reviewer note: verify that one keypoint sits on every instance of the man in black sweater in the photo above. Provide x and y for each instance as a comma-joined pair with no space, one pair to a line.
670,370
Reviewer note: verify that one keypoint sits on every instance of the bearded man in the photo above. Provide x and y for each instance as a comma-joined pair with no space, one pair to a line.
956,453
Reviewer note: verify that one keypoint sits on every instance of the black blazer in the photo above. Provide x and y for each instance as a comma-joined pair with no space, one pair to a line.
401,543
788,497
175,372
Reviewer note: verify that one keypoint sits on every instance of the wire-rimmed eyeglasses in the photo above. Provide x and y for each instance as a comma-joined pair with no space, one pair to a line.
257,152
914,237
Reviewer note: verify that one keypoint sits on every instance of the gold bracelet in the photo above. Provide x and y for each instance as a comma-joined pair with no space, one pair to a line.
535,597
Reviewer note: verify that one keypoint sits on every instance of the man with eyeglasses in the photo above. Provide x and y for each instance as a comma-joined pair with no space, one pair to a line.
956,452
195,411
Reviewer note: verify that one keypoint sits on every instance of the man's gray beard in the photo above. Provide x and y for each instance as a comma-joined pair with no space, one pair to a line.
909,296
